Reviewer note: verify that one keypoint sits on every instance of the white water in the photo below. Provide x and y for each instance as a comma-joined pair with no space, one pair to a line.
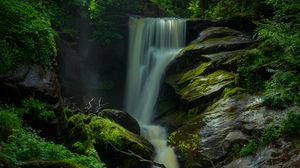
153,44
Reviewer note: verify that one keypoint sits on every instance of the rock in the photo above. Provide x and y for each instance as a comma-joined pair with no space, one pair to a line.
284,155
31,79
219,126
123,118
218,32
214,45
234,137
112,142
206,86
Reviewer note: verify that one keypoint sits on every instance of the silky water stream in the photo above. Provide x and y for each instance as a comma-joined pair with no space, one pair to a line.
153,44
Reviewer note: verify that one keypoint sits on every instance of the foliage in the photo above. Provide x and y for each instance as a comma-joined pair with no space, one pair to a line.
226,9
194,8
8,122
37,109
291,123
282,90
26,35
270,134
166,5
252,64
26,145
249,149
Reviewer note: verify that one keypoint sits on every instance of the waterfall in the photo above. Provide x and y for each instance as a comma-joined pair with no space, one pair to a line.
153,44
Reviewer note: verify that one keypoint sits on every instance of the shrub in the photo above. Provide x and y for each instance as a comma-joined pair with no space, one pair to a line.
270,134
282,90
8,122
291,123
249,149
26,145
38,109
250,69
26,35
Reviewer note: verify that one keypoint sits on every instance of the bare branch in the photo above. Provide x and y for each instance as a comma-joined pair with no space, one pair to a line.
130,153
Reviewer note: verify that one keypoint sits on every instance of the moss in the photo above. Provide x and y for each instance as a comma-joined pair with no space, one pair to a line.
80,136
205,86
235,92
189,75
107,131
184,142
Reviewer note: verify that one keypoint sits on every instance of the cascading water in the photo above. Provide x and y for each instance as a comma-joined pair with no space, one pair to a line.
154,43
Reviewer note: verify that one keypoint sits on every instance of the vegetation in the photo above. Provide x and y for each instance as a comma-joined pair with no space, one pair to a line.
26,145
26,35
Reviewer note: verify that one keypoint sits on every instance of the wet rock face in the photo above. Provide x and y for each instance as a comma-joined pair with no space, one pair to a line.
212,116
220,127
201,72
282,154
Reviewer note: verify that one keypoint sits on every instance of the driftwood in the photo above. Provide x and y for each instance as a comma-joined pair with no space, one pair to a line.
93,106
130,153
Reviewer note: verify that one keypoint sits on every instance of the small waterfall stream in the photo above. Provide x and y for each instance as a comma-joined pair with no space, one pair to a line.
153,44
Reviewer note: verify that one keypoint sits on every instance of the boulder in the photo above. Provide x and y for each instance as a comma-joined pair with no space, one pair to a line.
115,145
123,118
31,79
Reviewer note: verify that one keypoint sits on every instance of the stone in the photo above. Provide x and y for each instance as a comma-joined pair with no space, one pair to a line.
214,45
123,118
206,86
31,79
283,155
110,140
234,137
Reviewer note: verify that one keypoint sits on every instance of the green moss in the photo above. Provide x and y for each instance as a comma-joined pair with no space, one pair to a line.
107,131
235,92
185,143
204,86
189,75
80,136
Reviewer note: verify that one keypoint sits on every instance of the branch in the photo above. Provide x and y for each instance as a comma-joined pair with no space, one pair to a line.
130,153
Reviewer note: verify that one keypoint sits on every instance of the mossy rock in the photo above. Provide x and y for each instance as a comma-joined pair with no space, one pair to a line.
49,164
206,86
188,75
218,32
214,45
111,139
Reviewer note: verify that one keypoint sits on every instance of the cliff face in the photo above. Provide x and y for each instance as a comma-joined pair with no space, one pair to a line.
211,118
